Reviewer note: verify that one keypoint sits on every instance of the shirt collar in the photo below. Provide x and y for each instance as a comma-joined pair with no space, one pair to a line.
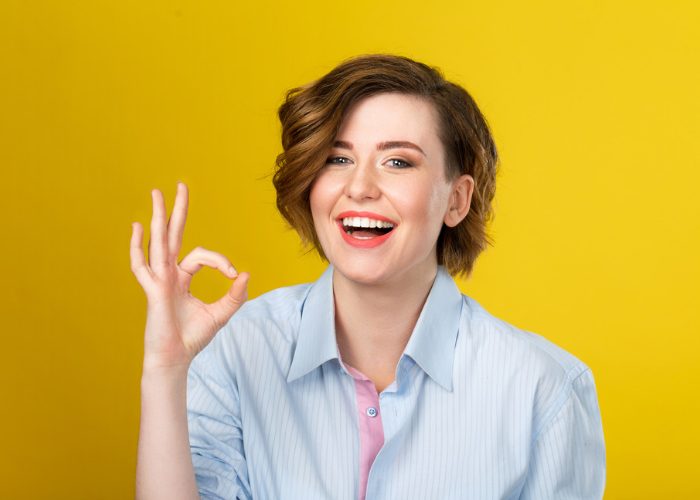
316,342
431,344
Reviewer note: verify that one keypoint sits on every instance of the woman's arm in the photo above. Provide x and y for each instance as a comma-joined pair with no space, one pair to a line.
568,455
164,468
178,327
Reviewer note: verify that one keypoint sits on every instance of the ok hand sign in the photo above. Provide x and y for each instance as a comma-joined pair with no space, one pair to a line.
178,325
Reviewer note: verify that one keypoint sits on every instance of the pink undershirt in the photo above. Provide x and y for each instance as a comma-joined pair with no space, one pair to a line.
371,430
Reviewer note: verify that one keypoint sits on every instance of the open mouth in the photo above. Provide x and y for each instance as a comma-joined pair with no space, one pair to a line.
365,227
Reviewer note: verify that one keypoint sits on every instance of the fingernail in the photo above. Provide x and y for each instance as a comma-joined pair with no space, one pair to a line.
232,271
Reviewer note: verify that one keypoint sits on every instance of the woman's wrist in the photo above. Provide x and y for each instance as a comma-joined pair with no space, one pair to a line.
158,372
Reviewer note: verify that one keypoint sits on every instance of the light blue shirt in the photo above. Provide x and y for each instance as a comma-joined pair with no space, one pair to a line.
479,409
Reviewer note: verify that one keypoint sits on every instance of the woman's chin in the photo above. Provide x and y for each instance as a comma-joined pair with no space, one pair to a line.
361,274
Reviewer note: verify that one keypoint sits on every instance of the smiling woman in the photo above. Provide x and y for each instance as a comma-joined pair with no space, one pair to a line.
312,116
403,181
381,379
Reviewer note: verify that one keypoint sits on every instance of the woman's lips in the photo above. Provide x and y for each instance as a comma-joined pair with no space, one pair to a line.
370,215
364,242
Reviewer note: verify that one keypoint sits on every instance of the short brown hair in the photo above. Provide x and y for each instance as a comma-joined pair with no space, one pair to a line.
311,116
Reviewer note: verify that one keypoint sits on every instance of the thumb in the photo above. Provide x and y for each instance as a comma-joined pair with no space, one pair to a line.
235,297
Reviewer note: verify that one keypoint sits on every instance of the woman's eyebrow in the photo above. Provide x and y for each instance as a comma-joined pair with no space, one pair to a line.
383,146
342,145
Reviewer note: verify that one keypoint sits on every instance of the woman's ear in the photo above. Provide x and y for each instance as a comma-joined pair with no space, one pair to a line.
460,200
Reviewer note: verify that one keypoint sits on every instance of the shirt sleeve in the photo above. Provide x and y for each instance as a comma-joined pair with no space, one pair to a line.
215,433
568,455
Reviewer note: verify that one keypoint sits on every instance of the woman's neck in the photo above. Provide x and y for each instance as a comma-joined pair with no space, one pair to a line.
374,322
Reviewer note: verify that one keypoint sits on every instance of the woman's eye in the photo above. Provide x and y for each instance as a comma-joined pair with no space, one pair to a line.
395,162
338,160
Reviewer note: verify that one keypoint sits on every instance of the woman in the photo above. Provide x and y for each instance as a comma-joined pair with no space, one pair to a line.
381,379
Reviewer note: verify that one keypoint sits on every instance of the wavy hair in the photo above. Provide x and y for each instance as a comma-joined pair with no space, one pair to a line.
311,116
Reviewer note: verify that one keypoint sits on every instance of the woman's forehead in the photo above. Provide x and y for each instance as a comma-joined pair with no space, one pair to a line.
390,117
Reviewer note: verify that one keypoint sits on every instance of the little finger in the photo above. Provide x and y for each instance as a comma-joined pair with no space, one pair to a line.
138,261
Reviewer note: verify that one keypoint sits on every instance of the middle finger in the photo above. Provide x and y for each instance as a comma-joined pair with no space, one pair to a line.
176,224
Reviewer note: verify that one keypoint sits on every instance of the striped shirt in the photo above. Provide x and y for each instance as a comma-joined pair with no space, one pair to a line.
479,409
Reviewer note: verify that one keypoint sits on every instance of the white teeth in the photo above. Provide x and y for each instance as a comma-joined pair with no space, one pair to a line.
365,222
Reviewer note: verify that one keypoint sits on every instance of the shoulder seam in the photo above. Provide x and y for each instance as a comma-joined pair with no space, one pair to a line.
561,400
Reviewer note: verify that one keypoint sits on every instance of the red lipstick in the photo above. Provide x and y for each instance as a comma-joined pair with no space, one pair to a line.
364,242
370,215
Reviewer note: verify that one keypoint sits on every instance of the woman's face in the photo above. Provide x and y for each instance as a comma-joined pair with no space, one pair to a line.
386,171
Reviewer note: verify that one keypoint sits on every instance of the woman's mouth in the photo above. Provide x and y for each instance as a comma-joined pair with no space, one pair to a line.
365,232
364,227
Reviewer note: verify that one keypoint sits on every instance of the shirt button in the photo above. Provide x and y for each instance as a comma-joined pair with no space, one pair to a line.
371,411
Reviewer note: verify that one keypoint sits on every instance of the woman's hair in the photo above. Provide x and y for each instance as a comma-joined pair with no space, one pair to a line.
311,116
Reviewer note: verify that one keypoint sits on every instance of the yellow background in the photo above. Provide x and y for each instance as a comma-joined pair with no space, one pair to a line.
594,107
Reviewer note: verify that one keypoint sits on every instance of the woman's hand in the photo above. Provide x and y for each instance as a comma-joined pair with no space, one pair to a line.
178,325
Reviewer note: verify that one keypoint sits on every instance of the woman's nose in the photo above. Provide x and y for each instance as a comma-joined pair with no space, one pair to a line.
362,183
